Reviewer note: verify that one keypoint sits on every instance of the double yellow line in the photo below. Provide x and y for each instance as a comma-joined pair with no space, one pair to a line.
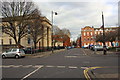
86,72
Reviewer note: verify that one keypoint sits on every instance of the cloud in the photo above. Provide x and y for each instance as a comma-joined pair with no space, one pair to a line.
76,15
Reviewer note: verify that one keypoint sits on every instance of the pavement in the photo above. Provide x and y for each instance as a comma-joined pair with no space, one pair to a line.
112,53
106,72
43,54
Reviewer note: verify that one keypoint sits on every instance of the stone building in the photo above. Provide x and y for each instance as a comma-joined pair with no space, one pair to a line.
45,42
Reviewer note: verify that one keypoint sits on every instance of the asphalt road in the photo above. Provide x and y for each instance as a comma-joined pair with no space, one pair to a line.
66,64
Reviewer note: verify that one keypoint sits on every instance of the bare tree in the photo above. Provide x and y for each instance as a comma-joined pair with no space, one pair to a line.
109,36
15,17
36,28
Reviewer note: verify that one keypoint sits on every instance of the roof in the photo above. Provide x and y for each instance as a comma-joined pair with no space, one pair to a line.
17,18
87,27
106,28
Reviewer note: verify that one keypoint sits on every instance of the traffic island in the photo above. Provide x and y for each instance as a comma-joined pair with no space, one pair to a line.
103,73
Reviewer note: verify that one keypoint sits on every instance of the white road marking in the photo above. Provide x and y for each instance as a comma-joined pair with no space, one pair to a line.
84,52
60,66
50,66
73,67
16,66
27,66
71,56
36,66
5,66
84,67
11,65
31,73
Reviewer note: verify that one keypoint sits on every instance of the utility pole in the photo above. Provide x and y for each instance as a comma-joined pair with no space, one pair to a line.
104,47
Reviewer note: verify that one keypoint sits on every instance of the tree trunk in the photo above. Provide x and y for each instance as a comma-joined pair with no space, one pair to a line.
54,44
35,46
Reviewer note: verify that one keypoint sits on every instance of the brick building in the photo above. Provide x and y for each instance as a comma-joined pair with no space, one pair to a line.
61,41
88,35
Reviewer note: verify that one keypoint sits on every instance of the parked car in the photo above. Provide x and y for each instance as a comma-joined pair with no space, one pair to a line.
97,47
69,47
30,50
91,47
15,52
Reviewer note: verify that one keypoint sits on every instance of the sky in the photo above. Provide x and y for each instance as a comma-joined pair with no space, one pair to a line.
76,14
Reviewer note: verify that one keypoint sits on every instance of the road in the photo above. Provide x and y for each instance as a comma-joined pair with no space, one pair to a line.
66,64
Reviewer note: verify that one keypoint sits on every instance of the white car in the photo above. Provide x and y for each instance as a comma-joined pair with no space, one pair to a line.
16,52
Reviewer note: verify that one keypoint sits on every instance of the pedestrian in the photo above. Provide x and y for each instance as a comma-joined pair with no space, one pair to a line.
105,50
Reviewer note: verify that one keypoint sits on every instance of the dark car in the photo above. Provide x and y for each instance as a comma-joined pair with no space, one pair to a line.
91,47
30,50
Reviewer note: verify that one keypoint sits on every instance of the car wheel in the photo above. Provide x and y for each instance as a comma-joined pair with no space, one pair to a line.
17,57
3,56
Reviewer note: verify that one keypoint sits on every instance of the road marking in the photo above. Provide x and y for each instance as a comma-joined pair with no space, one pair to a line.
71,56
5,66
60,66
36,66
11,65
50,66
73,67
16,66
31,73
84,52
86,69
27,66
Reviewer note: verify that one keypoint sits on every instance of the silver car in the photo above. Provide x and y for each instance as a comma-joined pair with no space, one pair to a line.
16,52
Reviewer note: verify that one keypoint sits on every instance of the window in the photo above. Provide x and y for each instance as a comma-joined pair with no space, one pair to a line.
8,50
2,41
88,39
95,32
87,33
14,50
2,29
29,40
28,29
21,50
91,33
84,34
10,41
84,39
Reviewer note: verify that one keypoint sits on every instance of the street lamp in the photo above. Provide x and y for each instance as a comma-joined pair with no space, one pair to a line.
52,28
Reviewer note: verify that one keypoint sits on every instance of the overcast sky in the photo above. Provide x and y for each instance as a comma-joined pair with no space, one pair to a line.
76,14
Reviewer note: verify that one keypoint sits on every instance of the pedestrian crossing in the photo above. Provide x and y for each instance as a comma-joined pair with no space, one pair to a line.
36,66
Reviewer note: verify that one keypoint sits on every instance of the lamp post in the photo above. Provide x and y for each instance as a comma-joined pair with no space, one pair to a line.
52,29
104,47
